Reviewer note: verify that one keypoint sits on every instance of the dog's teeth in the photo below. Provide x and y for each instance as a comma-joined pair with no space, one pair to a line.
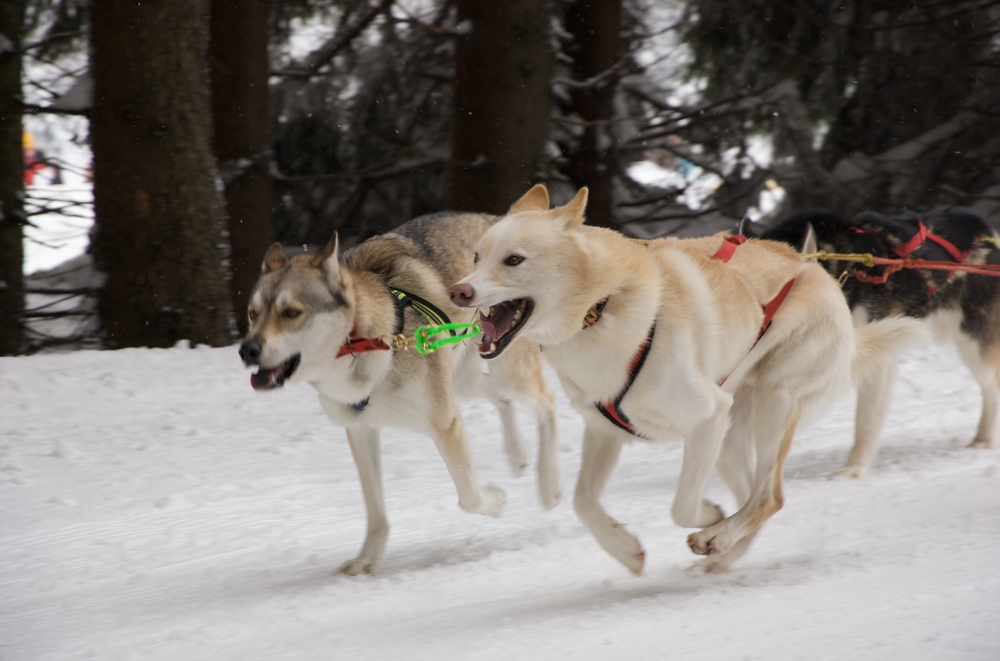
517,315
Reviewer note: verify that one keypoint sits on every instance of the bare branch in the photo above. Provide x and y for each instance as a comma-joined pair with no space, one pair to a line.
325,53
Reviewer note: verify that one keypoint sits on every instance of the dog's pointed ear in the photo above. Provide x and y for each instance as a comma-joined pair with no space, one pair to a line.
274,259
573,212
328,251
326,260
809,243
536,199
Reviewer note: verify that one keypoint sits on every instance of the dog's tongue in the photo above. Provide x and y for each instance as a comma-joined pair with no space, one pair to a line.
264,379
498,325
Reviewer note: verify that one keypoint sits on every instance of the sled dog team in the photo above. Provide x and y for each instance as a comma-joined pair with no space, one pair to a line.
727,344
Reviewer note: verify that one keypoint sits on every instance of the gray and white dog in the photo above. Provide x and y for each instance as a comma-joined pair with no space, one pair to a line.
337,324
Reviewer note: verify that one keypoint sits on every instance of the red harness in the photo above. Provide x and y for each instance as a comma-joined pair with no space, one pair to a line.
923,234
612,409
724,254
904,250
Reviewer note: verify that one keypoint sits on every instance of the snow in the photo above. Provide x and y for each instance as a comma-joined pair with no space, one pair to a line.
54,238
155,507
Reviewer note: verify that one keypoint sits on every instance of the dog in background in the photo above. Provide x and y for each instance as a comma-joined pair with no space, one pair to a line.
960,308
332,322
671,339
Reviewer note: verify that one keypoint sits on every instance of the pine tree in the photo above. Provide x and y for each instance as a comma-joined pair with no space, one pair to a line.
159,222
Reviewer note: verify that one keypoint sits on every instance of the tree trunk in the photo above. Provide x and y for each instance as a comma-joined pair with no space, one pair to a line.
595,28
501,118
240,110
159,221
11,179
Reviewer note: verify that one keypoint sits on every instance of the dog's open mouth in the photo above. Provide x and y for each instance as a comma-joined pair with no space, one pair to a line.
501,324
266,379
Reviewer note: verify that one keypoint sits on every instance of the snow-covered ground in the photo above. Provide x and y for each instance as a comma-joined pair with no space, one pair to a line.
155,507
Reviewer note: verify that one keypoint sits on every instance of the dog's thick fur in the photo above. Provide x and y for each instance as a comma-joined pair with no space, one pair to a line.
963,309
707,315
308,305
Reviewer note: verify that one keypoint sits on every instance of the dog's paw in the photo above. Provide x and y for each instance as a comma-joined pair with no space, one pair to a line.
708,542
494,499
359,565
981,444
625,548
517,460
710,514
549,489
550,499
850,471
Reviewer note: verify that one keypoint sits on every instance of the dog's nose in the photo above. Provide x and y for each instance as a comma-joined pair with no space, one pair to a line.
250,352
461,294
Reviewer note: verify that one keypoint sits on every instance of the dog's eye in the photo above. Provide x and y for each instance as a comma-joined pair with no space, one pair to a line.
291,313
475,258
252,314
513,260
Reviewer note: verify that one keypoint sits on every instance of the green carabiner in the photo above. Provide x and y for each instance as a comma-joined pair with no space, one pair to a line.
425,346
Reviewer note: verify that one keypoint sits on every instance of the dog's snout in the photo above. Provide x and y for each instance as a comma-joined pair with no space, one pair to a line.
250,352
462,294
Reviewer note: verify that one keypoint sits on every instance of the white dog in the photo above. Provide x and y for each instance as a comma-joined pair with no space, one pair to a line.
669,339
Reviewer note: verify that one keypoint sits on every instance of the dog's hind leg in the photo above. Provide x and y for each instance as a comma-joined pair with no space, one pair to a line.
453,444
985,369
518,375
599,455
367,451
775,417
873,401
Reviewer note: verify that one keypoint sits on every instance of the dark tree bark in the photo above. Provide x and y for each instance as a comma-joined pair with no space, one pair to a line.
501,106
240,110
11,179
160,236
595,27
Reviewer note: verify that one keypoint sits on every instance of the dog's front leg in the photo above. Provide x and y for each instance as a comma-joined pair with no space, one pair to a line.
873,401
600,454
701,452
367,451
736,467
453,445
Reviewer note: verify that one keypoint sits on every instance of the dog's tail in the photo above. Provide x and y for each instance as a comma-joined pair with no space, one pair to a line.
877,344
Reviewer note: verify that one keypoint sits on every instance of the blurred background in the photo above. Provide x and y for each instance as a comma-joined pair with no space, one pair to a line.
151,151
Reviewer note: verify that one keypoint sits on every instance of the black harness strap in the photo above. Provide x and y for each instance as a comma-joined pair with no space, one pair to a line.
400,304
612,410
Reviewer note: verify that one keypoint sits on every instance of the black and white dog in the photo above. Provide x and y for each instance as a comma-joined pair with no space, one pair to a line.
961,308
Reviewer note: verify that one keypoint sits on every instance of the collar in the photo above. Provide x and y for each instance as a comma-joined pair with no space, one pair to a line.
356,345
594,313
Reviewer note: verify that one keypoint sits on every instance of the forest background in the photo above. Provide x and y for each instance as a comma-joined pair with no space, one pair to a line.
207,129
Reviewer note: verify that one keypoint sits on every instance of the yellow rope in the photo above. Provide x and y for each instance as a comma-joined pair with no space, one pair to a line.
990,239
862,258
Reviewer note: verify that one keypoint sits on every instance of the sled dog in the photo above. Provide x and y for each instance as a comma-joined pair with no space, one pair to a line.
960,308
669,339
331,322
